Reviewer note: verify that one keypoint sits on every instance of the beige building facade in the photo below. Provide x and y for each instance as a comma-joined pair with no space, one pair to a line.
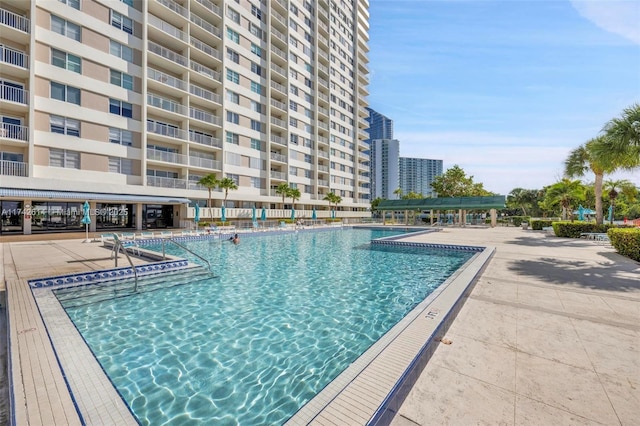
127,104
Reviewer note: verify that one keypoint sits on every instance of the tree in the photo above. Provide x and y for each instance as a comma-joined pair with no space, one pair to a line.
333,199
455,183
226,185
294,194
283,190
621,144
615,187
585,158
209,181
374,205
523,199
412,196
398,193
564,193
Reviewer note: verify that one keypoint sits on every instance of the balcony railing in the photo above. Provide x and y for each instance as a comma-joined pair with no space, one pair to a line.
208,27
169,157
323,125
204,47
323,140
14,57
278,104
164,182
278,139
207,117
13,168
324,169
167,53
323,154
278,69
323,182
197,67
278,175
279,122
205,163
278,157
175,7
279,17
14,94
14,132
204,93
279,87
166,79
166,27
166,104
204,139
212,7
166,130
14,20
279,35
279,52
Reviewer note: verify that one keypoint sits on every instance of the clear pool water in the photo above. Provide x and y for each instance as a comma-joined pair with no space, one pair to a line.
287,314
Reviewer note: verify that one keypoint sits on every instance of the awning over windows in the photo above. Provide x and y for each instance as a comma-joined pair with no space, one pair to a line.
445,203
36,194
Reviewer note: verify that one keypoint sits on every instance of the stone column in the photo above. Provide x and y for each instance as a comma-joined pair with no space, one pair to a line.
494,217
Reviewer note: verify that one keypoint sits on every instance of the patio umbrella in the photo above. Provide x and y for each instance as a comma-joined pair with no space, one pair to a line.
196,218
314,216
580,212
333,214
293,214
263,215
611,214
86,220
223,217
253,214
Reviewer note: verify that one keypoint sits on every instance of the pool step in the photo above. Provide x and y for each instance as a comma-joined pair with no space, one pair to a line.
98,292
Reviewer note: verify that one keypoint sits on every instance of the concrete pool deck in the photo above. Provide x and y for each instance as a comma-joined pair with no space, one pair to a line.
549,335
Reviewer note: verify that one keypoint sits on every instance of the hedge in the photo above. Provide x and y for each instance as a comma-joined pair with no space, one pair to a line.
626,241
538,224
574,229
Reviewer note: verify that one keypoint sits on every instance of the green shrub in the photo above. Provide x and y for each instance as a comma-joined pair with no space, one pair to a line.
329,220
626,241
517,220
538,224
574,229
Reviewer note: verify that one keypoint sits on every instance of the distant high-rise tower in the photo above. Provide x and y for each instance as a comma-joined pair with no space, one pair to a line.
385,154
380,127
417,174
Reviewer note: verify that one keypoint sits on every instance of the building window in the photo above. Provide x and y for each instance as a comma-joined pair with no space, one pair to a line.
257,107
64,158
66,60
233,97
120,165
293,122
233,117
73,3
233,138
256,182
233,15
256,87
234,178
294,90
232,35
255,30
121,22
64,125
256,144
122,108
256,50
65,93
120,136
293,106
255,11
233,56
233,76
127,2
67,29
256,125
121,51
121,79
294,139
256,69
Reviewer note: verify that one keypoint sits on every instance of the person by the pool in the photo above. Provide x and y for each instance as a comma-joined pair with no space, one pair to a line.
235,239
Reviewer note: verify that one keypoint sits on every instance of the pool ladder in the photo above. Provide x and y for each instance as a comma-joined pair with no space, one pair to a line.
182,246
118,245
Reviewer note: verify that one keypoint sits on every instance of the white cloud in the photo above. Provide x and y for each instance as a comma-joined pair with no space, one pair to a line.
621,17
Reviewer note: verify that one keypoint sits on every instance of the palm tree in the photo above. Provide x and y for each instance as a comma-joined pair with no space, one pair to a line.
294,194
227,184
564,193
333,199
209,181
621,145
398,192
283,189
584,158
522,198
614,187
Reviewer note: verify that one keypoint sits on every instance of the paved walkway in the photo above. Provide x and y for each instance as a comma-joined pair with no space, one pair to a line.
550,334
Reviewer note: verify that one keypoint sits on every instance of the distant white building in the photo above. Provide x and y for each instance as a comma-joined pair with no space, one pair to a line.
417,174
385,159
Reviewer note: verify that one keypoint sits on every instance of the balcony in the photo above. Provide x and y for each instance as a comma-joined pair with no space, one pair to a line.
164,182
167,54
280,105
323,125
323,182
207,117
175,7
204,47
279,87
278,122
278,139
14,94
208,27
14,132
279,52
278,157
14,57
204,94
13,168
322,139
323,154
278,175
199,68
279,18
212,7
323,169
204,139
15,21
279,70
279,35
167,157
167,79
166,104
166,130
167,28
205,163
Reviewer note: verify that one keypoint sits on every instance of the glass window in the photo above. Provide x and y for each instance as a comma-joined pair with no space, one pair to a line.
73,3
120,136
232,138
233,55
256,50
256,69
255,11
121,79
257,107
233,15
256,182
233,117
256,125
65,93
121,51
121,22
256,144
233,76
66,28
118,107
256,87
233,97
64,158
232,35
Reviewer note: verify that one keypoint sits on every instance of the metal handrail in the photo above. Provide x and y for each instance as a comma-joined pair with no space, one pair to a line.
185,248
117,246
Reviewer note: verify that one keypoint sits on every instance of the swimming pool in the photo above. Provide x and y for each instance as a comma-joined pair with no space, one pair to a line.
287,315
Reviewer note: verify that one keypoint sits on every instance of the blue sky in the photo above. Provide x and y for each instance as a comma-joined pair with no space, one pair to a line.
505,89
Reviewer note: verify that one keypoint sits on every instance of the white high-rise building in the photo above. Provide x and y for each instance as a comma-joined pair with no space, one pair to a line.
417,175
128,104
385,173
